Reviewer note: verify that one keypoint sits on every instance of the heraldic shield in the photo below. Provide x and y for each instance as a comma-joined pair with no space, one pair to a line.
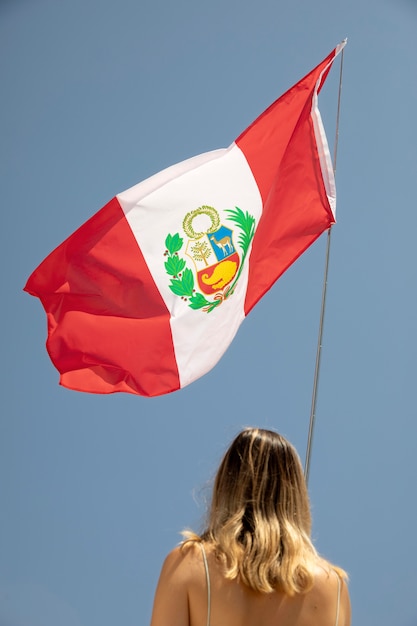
213,253
216,262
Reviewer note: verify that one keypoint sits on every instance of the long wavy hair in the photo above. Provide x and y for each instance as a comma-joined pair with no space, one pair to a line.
259,522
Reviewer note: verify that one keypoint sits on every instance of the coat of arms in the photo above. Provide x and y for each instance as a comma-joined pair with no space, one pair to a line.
215,260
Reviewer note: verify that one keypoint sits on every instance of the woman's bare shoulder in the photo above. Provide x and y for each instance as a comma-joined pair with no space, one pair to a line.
329,584
172,592
183,562
327,575
326,578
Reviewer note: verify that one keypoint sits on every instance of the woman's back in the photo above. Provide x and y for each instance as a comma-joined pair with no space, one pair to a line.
182,597
257,541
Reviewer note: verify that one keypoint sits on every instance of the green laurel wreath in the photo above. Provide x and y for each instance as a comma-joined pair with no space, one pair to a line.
182,281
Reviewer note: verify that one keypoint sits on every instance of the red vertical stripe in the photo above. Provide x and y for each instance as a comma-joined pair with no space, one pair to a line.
281,150
108,327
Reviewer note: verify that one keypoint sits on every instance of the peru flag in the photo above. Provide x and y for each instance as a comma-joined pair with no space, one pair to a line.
147,295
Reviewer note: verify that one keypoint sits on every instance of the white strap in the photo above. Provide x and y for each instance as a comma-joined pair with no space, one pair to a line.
208,584
338,599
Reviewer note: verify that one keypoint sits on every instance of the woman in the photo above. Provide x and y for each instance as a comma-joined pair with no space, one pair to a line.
255,564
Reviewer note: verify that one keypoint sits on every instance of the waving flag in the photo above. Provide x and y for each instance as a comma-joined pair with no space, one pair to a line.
147,295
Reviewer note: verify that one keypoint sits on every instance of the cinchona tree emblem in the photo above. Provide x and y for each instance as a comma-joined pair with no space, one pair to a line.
216,262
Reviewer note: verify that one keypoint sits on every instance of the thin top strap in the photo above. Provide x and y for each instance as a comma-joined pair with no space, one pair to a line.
208,584
338,600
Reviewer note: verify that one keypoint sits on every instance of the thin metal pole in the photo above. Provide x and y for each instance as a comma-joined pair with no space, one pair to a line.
323,301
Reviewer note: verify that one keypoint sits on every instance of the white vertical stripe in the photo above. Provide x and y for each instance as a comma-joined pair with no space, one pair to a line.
321,140
157,207
324,154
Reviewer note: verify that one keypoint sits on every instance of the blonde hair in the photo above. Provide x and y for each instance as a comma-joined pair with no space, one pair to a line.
259,522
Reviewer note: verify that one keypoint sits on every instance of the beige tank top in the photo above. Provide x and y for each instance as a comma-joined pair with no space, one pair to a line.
209,589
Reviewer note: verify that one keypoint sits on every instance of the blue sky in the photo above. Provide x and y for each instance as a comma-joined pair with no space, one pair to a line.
97,96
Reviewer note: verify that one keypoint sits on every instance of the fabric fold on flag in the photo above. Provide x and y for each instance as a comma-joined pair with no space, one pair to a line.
147,295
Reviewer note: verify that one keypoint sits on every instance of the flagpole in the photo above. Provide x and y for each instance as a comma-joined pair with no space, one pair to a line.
323,300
